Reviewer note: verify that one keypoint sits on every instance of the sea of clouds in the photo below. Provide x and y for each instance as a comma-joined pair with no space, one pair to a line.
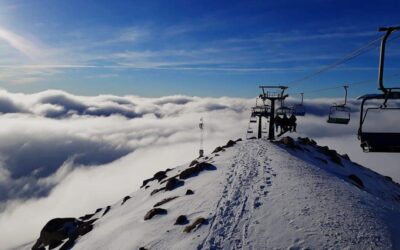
66,155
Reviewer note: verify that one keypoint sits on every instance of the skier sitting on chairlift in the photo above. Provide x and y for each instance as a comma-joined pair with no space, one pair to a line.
285,123
278,123
292,122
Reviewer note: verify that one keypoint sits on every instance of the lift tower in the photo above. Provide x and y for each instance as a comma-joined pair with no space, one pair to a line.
271,93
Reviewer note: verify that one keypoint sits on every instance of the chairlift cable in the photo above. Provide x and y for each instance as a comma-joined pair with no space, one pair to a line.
362,50
341,86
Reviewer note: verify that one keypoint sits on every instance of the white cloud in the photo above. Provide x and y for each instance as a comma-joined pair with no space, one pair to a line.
66,155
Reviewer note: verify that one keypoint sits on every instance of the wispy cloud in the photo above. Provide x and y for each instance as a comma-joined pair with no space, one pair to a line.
115,52
20,43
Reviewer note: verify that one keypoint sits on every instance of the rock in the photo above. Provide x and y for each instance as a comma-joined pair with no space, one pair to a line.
143,248
288,141
155,211
346,156
181,220
305,140
356,180
334,156
238,140
173,183
193,171
388,178
160,203
196,224
156,190
106,211
56,231
125,199
146,181
230,144
98,210
86,217
194,162
189,192
160,175
217,149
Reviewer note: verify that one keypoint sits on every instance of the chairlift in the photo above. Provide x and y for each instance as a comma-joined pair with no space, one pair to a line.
253,119
283,110
339,113
299,109
264,129
374,141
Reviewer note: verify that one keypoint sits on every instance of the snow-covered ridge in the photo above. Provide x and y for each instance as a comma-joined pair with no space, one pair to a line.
252,194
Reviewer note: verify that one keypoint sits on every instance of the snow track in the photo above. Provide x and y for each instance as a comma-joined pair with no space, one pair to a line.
247,181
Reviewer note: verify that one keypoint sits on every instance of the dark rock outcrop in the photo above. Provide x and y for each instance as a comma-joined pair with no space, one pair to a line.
173,183
159,176
181,220
157,190
356,180
230,144
194,162
217,149
155,211
166,200
125,199
107,210
56,231
193,171
86,217
189,192
196,224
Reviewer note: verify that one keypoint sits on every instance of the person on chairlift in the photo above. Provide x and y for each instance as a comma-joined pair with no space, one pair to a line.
293,123
278,123
285,123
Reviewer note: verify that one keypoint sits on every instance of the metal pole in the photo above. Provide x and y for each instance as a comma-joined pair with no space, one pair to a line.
382,56
302,97
345,97
259,126
271,134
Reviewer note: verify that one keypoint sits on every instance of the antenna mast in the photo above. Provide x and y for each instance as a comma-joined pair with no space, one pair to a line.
201,126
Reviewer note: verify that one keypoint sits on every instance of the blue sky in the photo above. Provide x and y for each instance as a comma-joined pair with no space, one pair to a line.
204,48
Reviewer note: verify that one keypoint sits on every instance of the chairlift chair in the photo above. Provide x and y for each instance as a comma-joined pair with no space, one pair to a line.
253,119
284,110
299,109
373,141
339,113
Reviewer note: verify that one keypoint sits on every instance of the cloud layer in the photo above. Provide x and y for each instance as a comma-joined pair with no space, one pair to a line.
66,155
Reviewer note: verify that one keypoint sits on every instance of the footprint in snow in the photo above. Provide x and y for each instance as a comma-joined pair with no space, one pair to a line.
257,202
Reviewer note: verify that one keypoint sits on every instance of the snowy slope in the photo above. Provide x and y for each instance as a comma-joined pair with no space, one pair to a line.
260,195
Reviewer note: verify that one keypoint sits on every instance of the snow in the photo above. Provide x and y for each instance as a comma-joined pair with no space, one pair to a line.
262,195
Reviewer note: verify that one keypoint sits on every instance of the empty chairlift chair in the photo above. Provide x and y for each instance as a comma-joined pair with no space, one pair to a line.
340,113
378,123
299,109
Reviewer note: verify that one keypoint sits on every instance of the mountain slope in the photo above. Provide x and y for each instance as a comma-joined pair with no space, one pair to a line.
255,195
